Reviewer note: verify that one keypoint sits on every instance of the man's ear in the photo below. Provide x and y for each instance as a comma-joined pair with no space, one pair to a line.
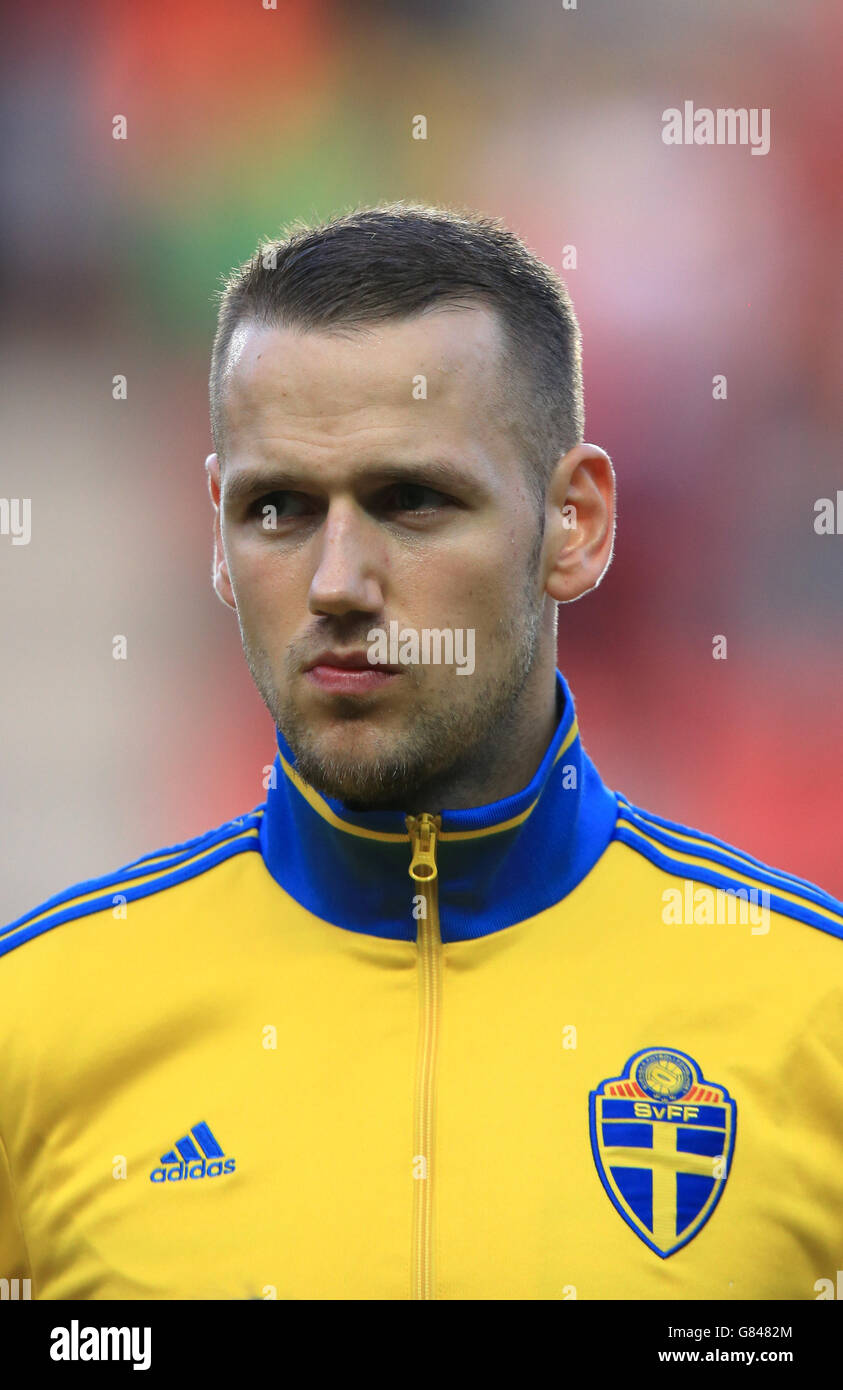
221,578
579,523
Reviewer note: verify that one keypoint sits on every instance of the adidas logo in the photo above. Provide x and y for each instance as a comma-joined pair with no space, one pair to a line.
185,1160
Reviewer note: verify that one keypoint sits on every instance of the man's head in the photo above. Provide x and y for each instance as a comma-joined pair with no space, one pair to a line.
385,264
396,404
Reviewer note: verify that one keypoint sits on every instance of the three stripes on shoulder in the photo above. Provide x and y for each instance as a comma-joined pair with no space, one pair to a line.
151,874
689,854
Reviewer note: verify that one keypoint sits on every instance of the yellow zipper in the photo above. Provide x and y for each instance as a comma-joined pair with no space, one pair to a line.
423,871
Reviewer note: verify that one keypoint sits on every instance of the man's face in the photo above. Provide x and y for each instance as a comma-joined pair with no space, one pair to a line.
374,477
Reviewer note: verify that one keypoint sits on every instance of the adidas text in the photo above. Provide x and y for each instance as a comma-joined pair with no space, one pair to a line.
176,1172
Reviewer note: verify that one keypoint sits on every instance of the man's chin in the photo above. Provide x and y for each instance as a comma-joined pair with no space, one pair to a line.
354,762
360,785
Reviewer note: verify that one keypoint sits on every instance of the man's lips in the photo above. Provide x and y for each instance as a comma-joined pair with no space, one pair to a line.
347,673
349,661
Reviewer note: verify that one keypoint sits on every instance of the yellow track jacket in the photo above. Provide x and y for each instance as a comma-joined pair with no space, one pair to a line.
554,1047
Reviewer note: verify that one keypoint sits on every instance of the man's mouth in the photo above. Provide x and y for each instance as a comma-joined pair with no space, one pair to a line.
349,673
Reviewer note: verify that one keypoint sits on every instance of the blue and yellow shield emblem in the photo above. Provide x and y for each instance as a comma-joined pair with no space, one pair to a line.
663,1139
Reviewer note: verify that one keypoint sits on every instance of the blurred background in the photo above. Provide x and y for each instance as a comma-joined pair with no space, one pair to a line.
691,262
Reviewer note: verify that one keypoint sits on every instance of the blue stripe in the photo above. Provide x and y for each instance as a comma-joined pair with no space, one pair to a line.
734,860
141,890
207,1141
187,1148
715,880
652,821
235,826
181,853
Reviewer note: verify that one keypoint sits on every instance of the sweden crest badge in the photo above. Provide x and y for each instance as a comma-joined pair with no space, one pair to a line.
663,1139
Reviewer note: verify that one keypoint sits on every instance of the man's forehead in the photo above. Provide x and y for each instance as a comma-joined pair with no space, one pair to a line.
441,354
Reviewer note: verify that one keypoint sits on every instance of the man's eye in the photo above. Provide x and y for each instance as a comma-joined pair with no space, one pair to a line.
276,506
413,497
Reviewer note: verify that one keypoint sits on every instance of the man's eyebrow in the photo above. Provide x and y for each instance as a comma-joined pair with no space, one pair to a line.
248,483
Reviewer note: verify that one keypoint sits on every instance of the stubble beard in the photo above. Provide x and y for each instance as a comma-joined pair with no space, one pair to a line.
438,748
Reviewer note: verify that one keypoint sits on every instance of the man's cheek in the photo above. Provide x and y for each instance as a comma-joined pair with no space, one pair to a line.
265,603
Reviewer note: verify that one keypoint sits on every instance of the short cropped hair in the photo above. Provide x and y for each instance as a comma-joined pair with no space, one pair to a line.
397,259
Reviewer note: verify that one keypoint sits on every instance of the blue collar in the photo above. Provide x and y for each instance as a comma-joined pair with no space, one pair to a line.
498,864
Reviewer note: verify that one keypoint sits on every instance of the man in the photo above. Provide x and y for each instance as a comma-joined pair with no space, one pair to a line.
444,1017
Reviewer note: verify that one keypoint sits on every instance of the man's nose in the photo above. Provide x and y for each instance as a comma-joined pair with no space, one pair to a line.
347,572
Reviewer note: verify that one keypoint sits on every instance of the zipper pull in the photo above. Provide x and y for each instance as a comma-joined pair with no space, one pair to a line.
423,830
